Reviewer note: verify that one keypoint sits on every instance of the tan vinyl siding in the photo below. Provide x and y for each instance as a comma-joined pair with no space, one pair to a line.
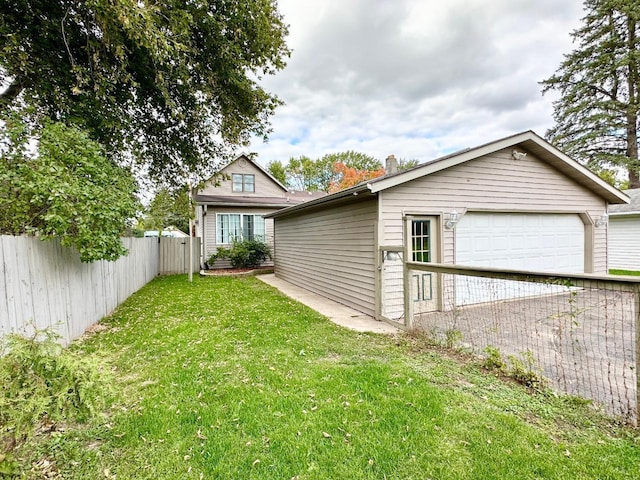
264,186
624,242
495,183
331,252
211,231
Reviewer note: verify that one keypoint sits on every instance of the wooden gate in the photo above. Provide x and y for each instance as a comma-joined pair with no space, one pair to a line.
173,255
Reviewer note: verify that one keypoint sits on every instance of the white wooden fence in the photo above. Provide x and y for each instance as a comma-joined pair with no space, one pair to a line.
45,285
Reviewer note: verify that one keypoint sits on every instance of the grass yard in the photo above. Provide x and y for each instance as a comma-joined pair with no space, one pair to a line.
614,271
226,378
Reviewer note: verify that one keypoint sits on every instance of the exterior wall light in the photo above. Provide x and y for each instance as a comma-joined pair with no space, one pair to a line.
392,256
518,155
454,218
602,220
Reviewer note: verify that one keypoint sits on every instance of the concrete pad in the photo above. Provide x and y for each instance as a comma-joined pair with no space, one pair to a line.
336,312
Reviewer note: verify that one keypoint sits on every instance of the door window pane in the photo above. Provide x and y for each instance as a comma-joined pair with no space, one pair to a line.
421,240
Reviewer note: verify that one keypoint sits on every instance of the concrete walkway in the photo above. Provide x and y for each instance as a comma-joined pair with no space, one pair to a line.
337,313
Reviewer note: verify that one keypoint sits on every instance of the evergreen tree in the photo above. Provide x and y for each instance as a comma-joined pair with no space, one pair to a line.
596,116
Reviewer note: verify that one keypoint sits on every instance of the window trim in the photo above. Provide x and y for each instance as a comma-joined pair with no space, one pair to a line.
243,183
256,236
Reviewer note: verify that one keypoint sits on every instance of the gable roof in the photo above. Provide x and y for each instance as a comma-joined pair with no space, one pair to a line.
257,165
632,208
527,140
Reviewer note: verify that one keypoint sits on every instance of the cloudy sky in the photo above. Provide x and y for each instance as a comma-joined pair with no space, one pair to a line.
416,78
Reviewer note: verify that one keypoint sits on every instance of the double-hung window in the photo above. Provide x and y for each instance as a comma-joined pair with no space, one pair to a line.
243,182
237,226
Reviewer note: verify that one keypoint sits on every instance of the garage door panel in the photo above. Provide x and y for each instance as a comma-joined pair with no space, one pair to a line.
541,242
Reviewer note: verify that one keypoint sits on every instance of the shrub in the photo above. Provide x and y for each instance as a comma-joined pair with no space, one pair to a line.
41,381
524,370
243,254
494,360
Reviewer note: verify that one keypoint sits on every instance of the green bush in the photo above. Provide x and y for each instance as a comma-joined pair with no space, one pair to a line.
243,254
41,381
494,360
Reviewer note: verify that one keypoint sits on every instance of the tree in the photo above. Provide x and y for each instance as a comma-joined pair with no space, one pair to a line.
278,171
352,159
348,177
169,208
170,84
67,189
596,116
304,173
404,164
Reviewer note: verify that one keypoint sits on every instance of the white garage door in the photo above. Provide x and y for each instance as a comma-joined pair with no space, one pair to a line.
540,242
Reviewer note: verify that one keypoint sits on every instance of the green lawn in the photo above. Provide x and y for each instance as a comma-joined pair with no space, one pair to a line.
226,378
614,271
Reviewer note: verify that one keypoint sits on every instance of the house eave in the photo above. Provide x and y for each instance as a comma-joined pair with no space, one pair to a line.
245,205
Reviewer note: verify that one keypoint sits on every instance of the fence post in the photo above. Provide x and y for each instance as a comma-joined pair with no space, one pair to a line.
637,328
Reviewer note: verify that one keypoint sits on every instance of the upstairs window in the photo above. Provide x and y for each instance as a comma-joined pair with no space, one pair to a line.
242,182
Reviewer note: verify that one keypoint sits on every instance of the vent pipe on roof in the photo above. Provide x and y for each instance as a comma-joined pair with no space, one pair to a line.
391,165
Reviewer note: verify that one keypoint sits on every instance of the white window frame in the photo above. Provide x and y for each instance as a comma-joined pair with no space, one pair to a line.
237,230
243,184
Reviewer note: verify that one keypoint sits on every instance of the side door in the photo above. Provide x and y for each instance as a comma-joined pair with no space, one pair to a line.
423,242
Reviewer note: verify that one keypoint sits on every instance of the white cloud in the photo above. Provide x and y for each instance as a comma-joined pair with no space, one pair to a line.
414,78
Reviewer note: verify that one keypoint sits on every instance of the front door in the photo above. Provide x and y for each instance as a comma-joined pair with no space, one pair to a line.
423,247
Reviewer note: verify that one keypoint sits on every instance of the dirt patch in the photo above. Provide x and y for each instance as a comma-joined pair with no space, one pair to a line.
95,328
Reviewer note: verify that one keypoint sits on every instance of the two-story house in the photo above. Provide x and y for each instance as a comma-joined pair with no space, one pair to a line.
234,207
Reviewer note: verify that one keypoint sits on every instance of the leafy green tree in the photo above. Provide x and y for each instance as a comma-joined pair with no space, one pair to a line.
596,116
168,83
66,189
304,173
352,159
169,208
278,171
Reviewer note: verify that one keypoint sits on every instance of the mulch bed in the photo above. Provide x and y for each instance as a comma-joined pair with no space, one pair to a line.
236,272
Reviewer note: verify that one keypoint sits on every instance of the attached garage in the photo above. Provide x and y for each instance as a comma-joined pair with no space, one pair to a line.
516,203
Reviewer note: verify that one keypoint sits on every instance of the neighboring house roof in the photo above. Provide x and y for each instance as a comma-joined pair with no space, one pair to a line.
527,141
167,232
632,208
293,198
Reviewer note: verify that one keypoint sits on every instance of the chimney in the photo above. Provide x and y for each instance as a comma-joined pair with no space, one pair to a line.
391,165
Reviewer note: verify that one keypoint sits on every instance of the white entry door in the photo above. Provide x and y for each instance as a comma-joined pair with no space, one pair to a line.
423,242
519,241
